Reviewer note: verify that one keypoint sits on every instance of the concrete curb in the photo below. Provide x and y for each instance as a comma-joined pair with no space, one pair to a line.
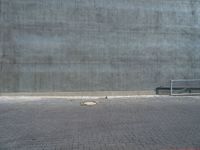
11,99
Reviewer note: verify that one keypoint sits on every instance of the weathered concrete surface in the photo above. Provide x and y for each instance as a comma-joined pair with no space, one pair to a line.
161,123
99,94
97,45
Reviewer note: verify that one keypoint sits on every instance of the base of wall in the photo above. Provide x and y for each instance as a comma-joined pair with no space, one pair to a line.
90,94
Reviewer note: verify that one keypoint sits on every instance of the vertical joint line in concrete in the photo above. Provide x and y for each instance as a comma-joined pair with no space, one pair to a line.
171,84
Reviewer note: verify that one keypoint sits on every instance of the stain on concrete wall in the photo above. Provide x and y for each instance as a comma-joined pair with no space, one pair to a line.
97,45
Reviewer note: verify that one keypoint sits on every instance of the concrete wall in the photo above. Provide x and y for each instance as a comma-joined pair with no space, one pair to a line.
97,45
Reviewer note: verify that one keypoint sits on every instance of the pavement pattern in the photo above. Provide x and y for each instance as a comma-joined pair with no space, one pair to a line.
137,123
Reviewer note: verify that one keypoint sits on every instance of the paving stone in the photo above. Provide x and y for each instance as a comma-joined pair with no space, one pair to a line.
157,123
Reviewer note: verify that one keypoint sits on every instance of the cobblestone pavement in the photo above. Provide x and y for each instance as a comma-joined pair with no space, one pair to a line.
154,123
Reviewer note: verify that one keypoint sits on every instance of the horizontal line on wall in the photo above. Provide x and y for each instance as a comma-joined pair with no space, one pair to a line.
187,30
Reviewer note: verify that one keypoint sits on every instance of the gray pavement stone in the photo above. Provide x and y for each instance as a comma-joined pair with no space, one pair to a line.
157,123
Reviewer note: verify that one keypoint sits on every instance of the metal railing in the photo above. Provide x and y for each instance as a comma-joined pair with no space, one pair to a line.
185,87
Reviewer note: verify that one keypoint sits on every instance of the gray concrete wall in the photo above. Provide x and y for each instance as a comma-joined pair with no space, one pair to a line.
97,45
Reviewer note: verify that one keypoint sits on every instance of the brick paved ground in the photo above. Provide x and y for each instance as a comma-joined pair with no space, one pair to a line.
160,123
